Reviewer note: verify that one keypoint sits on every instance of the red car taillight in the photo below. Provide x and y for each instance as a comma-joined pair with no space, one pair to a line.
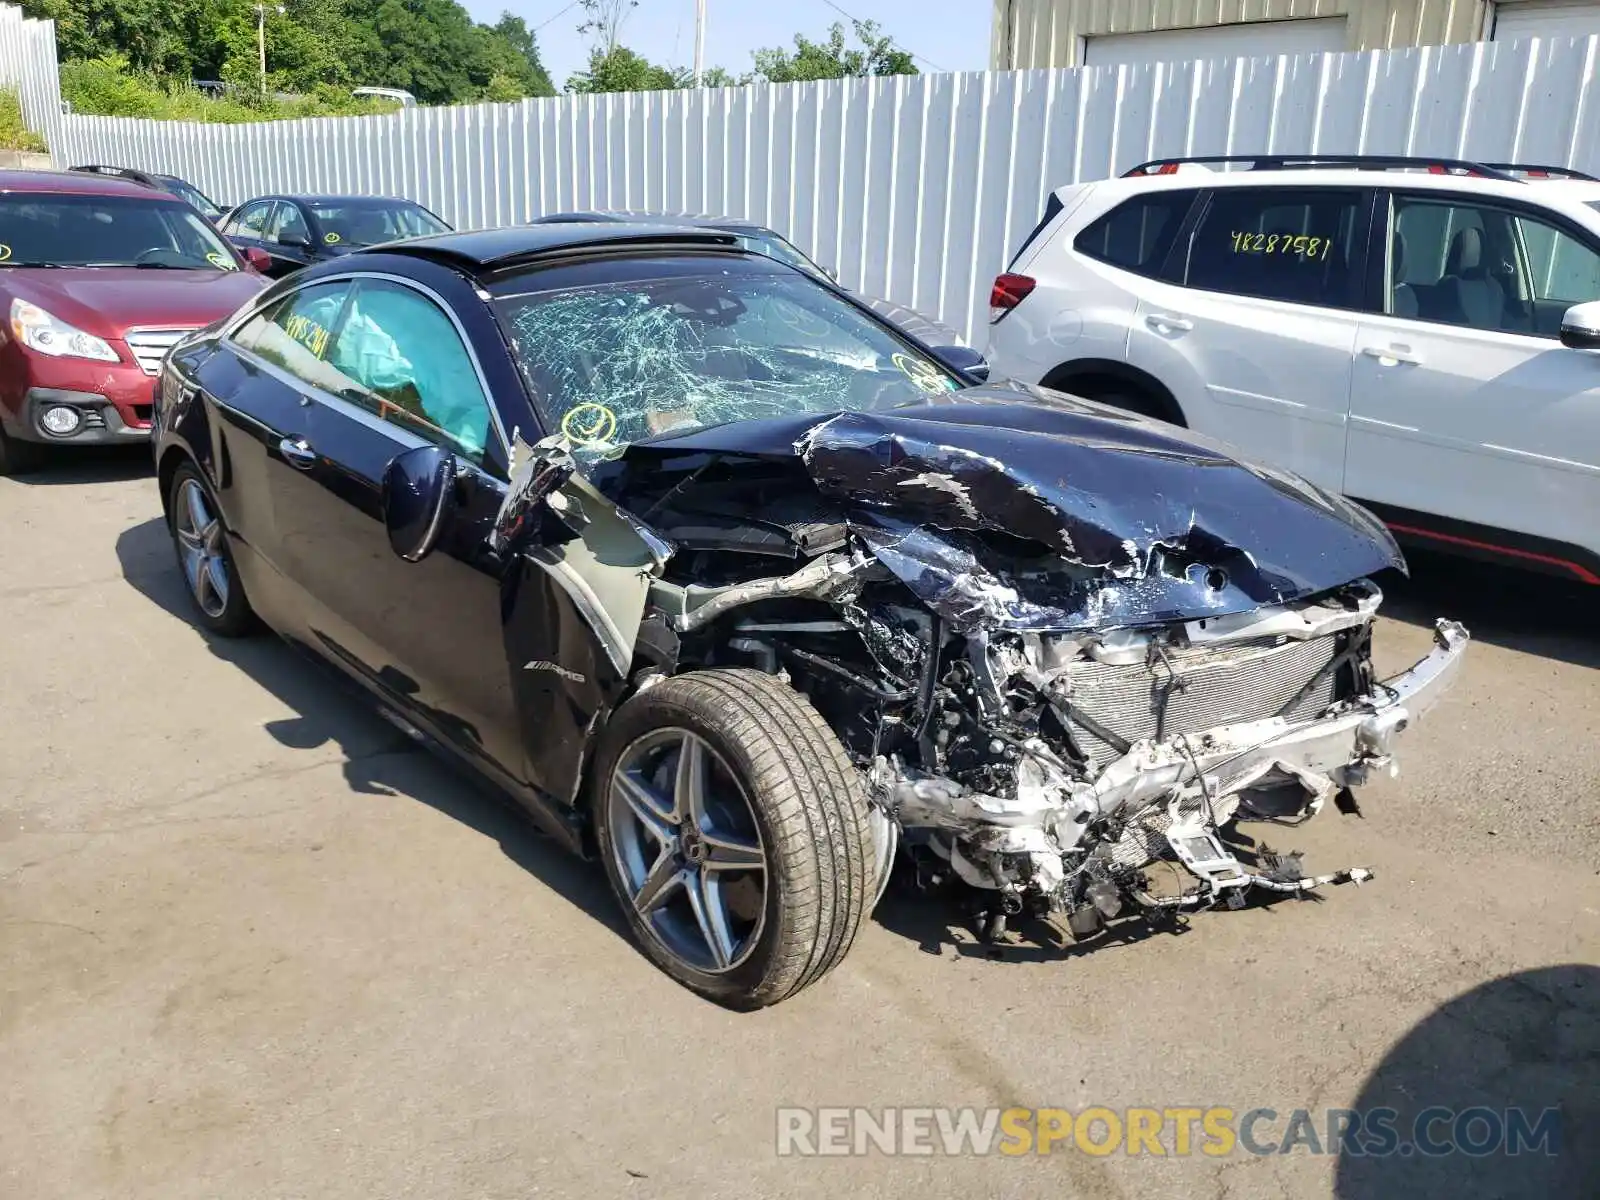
1008,292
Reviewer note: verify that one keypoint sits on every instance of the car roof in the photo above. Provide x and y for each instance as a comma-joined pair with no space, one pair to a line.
72,182
652,217
327,198
488,249
1193,176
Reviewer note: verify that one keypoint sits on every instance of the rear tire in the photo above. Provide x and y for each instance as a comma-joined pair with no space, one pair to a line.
19,457
774,783
205,558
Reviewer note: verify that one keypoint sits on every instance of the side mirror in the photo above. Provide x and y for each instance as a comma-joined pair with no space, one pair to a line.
258,258
294,240
964,359
419,499
1580,326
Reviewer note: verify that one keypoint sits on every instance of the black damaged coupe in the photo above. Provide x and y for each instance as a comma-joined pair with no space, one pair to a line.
739,589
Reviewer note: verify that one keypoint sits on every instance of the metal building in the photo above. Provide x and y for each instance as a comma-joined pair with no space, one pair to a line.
1075,33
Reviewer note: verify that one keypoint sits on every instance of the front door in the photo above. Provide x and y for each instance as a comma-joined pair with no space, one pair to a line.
247,228
1256,332
288,239
380,368
1471,424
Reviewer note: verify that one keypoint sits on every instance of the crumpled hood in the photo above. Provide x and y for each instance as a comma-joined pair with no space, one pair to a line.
1012,507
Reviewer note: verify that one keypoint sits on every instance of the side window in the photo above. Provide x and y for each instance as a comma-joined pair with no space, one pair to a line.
290,222
1482,267
411,367
1292,244
252,221
297,333
1562,271
1137,234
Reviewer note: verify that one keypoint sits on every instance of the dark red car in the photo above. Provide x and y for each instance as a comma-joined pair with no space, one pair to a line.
98,279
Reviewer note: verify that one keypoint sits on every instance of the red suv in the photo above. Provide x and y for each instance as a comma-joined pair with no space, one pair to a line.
98,279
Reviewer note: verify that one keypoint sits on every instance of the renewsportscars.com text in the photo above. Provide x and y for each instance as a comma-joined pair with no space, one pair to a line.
1215,1132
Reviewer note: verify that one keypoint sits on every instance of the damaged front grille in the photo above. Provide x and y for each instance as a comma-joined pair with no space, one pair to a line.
1192,690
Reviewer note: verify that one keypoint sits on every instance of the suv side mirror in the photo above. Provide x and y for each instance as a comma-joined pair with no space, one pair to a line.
419,500
964,359
1580,326
258,258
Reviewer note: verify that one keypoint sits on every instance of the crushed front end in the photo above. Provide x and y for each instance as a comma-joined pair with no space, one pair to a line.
1065,652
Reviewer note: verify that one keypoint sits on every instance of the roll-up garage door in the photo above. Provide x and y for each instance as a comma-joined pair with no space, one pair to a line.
1533,19
1253,39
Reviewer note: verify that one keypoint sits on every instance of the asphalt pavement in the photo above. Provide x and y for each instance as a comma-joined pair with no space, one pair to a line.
254,943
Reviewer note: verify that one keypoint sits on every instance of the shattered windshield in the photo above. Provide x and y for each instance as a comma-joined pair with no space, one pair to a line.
681,345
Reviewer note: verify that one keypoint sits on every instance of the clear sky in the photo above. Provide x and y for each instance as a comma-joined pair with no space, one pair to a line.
948,35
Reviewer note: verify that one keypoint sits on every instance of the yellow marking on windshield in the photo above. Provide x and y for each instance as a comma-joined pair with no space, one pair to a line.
589,425
332,239
924,375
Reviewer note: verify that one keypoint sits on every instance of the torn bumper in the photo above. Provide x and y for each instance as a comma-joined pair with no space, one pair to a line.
1340,748
1343,746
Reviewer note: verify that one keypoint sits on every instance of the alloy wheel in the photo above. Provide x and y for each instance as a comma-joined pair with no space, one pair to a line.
688,850
200,548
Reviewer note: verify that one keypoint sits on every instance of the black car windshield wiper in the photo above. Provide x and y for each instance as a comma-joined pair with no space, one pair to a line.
152,266
16,262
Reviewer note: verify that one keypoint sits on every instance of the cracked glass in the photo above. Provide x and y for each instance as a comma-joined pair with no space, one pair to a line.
627,360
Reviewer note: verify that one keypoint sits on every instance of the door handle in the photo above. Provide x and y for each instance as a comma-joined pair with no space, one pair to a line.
297,452
1398,354
1160,321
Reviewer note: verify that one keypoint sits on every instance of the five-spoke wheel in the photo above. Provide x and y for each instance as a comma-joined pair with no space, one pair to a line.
201,541
734,830
199,534
687,845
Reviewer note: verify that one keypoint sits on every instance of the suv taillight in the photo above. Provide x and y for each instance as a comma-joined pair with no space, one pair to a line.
1008,292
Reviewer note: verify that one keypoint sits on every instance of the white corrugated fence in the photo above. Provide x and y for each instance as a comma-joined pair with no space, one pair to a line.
914,188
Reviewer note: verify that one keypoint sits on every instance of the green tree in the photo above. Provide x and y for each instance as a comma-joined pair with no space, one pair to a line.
155,35
876,55
512,56
430,47
513,33
717,77
621,70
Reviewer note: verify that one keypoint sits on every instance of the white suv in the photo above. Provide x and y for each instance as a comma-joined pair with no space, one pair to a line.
1416,334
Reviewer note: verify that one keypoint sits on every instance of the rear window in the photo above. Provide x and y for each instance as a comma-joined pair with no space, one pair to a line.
1293,244
369,222
1138,234
1052,207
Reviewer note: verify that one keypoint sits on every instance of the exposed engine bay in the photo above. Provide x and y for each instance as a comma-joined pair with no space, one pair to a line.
1058,701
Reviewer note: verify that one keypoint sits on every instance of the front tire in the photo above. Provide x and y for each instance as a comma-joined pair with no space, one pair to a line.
201,541
734,831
